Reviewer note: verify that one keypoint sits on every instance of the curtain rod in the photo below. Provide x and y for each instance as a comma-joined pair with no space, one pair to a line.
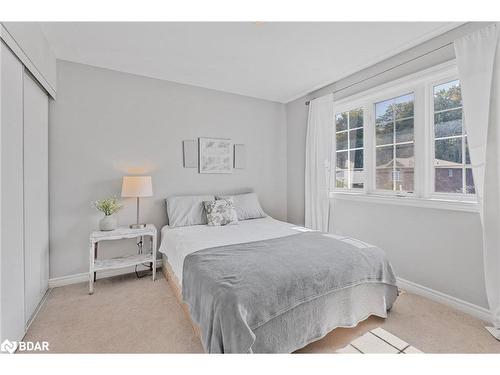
387,70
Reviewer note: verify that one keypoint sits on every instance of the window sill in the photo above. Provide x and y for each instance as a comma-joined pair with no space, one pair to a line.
435,203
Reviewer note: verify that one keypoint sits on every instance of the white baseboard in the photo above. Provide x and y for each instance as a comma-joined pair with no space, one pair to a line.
84,277
461,305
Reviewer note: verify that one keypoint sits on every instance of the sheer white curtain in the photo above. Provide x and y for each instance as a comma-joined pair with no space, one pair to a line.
318,153
478,61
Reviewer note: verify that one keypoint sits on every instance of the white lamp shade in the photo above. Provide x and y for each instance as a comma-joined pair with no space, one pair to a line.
137,186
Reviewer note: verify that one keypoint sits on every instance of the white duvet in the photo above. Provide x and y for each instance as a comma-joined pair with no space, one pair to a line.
177,243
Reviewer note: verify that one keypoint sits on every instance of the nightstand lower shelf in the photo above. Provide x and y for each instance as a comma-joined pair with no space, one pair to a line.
124,232
122,262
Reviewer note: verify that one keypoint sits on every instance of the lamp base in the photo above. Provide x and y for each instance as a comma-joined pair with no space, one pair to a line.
137,226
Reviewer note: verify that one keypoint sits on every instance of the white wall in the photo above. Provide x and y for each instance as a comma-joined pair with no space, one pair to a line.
439,249
106,124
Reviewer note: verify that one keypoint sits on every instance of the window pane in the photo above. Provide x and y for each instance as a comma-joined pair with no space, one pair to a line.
403,172
384,178
356,118
384,156
447,95
403,106
356,138
404,157
404,130
448,152
384,111
447,124
384,133
341,140
469,182
357,178
349,145
404,179
342,160
448,180
357,159
341,178
341,121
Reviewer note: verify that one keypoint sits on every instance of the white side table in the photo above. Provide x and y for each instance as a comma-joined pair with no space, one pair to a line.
148,256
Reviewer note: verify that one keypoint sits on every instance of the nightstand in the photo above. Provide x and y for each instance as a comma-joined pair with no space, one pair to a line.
147,256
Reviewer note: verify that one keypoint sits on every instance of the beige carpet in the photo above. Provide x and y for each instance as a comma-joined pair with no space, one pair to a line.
127,315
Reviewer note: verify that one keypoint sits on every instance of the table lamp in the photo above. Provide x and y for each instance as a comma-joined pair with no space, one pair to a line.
137,187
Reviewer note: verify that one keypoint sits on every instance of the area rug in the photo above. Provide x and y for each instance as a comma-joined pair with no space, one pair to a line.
379,341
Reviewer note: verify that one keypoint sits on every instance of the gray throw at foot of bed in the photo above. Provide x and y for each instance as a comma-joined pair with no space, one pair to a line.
232,290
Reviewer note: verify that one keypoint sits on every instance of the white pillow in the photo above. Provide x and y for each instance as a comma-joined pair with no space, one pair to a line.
246,205
187,210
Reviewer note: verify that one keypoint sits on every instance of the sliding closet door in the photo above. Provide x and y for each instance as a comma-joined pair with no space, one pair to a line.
12,322
36,205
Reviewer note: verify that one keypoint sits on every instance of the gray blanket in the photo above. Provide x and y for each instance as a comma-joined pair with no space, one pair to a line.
232,290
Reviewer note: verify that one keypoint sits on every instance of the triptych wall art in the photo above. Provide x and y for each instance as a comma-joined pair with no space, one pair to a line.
213,155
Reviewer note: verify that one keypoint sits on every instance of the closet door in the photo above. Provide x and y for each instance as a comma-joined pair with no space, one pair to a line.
12,322
36,205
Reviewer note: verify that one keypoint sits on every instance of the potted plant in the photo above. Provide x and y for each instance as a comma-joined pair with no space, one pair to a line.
108,206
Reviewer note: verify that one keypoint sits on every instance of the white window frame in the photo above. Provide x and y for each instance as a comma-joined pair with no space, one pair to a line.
421,84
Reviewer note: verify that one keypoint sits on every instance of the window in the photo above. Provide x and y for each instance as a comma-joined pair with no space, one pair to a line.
349,173
404,142
395,160
452,172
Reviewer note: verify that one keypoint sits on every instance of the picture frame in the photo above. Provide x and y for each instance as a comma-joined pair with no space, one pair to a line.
190,153
239,156
215,156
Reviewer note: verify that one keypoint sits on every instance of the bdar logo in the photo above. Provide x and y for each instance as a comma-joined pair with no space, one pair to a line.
24,346
8,346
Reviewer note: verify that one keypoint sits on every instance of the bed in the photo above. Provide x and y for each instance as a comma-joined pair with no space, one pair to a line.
266,286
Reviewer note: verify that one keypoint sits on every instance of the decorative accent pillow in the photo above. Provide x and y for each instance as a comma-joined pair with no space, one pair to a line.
220,212
246,205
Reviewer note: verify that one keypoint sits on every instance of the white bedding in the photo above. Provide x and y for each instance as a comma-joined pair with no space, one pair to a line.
177,243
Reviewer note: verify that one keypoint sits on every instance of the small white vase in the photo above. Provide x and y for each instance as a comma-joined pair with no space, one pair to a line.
107,223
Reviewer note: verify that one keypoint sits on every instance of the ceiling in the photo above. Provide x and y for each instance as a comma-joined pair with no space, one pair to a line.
268,60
